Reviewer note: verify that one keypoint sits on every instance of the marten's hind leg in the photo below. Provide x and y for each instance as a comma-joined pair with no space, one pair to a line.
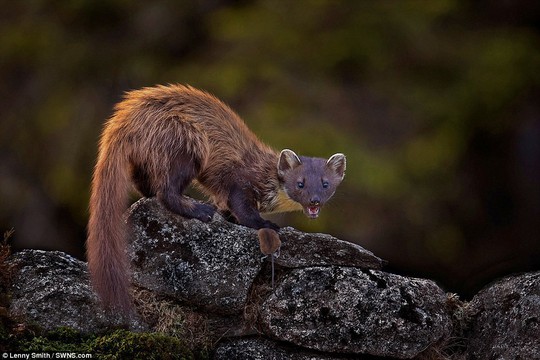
182,171
142,181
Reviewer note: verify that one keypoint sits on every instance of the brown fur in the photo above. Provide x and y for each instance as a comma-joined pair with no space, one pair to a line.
161,139
269,241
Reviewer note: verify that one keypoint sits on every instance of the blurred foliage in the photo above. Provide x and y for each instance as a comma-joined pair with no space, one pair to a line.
434,103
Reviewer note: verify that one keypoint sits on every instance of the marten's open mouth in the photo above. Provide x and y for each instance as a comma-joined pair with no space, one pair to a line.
312,211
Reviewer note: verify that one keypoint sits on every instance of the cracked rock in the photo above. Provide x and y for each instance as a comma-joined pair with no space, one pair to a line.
505,319
350,310
209,265
52,289
212,265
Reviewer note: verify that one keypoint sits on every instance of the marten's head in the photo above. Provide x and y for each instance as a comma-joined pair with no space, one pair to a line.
310,182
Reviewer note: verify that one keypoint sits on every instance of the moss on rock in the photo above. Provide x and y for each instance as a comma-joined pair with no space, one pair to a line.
120,344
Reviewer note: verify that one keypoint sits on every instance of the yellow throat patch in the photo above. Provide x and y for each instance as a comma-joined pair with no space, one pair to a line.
282,203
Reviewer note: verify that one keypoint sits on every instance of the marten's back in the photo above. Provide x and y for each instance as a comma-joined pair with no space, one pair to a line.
163,120
228,137
152,106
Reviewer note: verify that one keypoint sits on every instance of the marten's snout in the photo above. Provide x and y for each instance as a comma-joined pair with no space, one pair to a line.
312,210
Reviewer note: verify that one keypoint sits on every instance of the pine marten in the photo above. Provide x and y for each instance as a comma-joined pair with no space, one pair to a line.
163,138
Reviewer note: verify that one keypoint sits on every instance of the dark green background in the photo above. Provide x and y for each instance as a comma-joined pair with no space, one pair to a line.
435,103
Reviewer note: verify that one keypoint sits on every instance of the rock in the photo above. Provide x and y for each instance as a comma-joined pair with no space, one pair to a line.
327,298
51,289
264,349
306,249
351,310
331,300
212,265
505,319
209,265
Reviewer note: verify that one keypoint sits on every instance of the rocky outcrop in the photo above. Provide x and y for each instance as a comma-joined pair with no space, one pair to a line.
505,319
213,265
351,310
52,289
257,348
331,299
208,265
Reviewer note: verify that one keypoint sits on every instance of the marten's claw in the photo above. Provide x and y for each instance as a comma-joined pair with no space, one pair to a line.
204,212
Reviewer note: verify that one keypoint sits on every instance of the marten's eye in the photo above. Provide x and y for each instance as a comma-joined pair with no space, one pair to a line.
300,184
325,184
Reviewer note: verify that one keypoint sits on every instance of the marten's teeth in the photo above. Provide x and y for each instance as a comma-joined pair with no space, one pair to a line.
313,211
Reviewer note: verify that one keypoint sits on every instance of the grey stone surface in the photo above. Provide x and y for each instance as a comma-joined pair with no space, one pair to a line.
331,300
505,319
209,265
51,289
344,309
300,249
264,349
213,264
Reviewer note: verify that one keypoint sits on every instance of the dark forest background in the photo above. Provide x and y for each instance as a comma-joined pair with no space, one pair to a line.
435,103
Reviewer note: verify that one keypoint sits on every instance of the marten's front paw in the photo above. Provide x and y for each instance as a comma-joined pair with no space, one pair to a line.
259,223
203,212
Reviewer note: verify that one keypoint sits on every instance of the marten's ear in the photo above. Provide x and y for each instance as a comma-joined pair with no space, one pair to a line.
337,163
288,160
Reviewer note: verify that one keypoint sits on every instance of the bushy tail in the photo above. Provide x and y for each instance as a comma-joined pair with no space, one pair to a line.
106,243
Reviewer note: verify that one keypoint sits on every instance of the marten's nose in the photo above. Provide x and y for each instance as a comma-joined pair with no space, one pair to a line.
315,201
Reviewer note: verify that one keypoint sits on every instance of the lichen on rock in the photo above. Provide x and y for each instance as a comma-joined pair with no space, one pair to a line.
52,289
351,310
332,299
505,319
